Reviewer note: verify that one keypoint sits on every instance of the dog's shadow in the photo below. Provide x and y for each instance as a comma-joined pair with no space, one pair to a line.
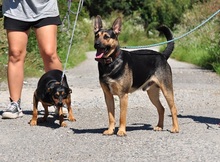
50,122
201,119
132,127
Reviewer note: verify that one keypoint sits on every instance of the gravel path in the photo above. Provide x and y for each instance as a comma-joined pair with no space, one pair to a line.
197,96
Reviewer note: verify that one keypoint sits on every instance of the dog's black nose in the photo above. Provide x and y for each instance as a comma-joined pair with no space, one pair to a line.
96,45
60,104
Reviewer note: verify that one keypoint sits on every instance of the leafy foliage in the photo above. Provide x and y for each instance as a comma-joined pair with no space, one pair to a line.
33,62
152,13
140,17
201,47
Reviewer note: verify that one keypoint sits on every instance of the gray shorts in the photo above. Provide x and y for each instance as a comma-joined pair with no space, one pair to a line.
17,25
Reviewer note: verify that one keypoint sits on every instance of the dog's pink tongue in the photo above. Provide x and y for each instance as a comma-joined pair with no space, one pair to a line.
99,53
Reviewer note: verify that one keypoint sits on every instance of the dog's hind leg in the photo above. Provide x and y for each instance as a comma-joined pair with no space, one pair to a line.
61,117
153,93
35,112
168,94
70,111
46,113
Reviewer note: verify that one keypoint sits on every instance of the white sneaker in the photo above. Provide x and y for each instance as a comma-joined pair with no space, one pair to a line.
13,111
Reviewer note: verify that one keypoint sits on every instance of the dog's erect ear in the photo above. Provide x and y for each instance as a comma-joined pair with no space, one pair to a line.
97,23
117,26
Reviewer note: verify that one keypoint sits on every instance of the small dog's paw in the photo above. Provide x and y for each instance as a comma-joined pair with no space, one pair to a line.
33,122
72,119
108,132
63,124
121,133
157,128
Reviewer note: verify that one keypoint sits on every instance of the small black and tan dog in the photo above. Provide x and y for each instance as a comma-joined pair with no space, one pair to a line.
122,72
51,92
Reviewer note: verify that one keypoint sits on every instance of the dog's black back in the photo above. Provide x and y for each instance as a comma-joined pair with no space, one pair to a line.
122,72
47,81
142,63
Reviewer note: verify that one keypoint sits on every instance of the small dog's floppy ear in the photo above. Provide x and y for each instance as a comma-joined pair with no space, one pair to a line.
97,23
49,90
117,26
52,86
57,83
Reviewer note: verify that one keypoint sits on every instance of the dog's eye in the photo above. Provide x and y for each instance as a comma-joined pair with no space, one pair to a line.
65,95
56,96
96,36
106,36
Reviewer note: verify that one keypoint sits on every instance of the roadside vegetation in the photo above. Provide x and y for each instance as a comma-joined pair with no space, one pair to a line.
140,19
202,47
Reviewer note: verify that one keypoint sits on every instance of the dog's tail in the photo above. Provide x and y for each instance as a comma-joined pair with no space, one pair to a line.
170,46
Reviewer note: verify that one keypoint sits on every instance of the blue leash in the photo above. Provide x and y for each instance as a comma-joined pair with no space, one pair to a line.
162,43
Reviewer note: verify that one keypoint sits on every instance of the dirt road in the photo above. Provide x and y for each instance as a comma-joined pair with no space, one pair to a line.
197,96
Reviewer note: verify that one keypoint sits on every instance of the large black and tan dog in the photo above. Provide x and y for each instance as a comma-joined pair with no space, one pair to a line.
51,92
122,72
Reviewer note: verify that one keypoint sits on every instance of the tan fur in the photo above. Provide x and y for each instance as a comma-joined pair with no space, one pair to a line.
67,101
122,86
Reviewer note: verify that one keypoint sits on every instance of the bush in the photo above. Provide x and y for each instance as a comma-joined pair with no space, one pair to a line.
201,47
152,13
33,62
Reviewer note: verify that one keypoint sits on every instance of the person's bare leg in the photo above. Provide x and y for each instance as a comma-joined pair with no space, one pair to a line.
17,42
47,42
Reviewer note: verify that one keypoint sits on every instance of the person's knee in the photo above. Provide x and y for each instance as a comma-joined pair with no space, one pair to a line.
51,58
16,55
49,54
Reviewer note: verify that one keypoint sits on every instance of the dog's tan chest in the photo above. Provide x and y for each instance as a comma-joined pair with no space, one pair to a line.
121,85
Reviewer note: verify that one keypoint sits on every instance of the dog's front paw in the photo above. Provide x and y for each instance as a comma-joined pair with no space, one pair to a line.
121,133
108,132
174,130
157,128
33,122
63,124
72,119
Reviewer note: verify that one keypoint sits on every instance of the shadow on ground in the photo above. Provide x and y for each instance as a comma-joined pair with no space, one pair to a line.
133,127
201,119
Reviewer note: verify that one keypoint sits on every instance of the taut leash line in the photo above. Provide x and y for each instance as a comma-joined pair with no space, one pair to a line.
73,30
162,43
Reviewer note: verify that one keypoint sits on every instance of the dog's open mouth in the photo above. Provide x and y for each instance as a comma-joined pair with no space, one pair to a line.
101,52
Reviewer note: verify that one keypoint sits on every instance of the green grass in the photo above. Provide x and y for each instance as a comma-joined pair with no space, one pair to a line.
202,47
33,62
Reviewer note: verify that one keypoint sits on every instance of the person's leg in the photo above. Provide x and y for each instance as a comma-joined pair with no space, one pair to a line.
17,42
47,42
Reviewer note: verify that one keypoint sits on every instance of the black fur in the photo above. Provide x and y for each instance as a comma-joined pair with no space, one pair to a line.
122,72
46,87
